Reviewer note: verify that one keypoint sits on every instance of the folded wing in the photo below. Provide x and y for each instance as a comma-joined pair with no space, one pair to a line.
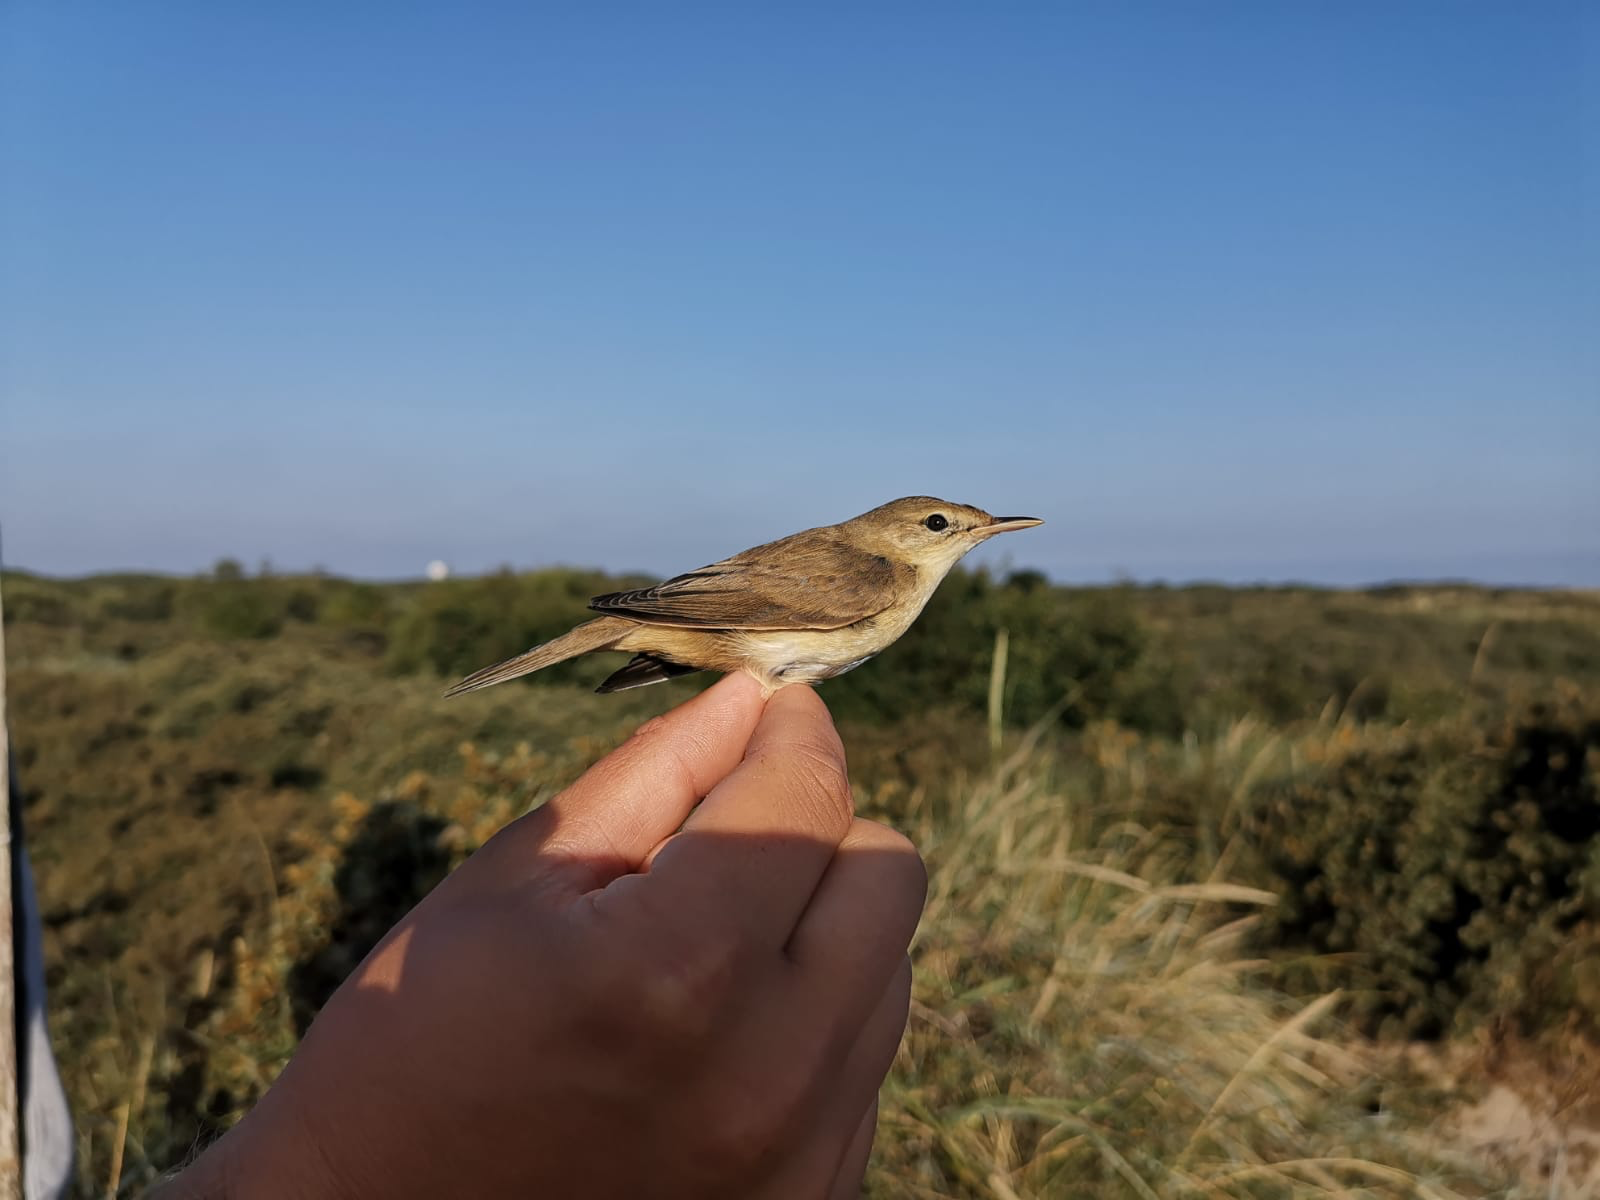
819,583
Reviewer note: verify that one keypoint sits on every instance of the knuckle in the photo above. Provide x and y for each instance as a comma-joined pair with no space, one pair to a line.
900,860
912,873
679,988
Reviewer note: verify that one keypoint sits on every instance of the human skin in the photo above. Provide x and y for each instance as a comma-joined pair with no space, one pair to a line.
599,1004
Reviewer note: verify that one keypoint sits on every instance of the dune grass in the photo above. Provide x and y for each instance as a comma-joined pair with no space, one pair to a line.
1107,1002
1089,1021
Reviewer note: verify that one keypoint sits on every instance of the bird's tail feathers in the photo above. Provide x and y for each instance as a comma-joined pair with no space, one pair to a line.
598,634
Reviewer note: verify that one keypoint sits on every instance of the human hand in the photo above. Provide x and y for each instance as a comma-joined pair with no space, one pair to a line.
596,1005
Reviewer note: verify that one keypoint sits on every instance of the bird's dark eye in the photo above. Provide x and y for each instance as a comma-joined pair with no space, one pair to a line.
937,523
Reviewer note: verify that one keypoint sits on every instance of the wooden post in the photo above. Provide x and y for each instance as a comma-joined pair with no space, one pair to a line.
10,1143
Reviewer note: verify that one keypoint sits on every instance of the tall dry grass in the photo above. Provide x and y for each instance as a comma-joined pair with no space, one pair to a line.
1087,1020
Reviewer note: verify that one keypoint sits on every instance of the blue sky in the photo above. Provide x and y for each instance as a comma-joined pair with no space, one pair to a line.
1239,291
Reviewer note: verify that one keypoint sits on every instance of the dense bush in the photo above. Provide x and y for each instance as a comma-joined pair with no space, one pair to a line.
229,604
237,609
143,598
1460,863
1080,653
348,605
38,601
456,626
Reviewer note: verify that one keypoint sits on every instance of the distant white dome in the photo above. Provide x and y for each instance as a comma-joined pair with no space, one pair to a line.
438,570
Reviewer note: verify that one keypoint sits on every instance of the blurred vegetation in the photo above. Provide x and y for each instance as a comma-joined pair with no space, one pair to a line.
1227,802
1089,1020
1461,860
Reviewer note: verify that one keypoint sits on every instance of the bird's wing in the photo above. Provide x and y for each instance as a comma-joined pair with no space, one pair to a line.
805,582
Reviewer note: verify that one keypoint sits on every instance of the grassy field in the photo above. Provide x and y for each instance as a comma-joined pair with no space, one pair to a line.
1234,892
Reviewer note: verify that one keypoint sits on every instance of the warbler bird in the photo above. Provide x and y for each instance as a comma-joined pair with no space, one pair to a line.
799,610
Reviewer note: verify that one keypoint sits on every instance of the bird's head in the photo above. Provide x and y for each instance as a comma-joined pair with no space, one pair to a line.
927,532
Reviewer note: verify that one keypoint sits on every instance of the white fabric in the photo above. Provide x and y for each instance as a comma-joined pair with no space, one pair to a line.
46,1120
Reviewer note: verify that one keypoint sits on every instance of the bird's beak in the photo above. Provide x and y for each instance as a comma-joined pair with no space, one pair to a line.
1006,525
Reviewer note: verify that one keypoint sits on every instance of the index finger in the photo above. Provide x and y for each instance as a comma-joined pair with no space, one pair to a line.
618,811
750,857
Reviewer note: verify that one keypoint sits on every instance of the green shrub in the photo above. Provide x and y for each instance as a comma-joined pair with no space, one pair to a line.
237,608
145,598
1460,864
1075,650
29,599
458,625
348,605
302,602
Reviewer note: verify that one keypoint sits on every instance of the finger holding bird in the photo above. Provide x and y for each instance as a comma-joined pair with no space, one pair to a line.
798,610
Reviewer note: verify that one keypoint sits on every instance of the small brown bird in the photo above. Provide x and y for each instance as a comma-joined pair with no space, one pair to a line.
798,610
